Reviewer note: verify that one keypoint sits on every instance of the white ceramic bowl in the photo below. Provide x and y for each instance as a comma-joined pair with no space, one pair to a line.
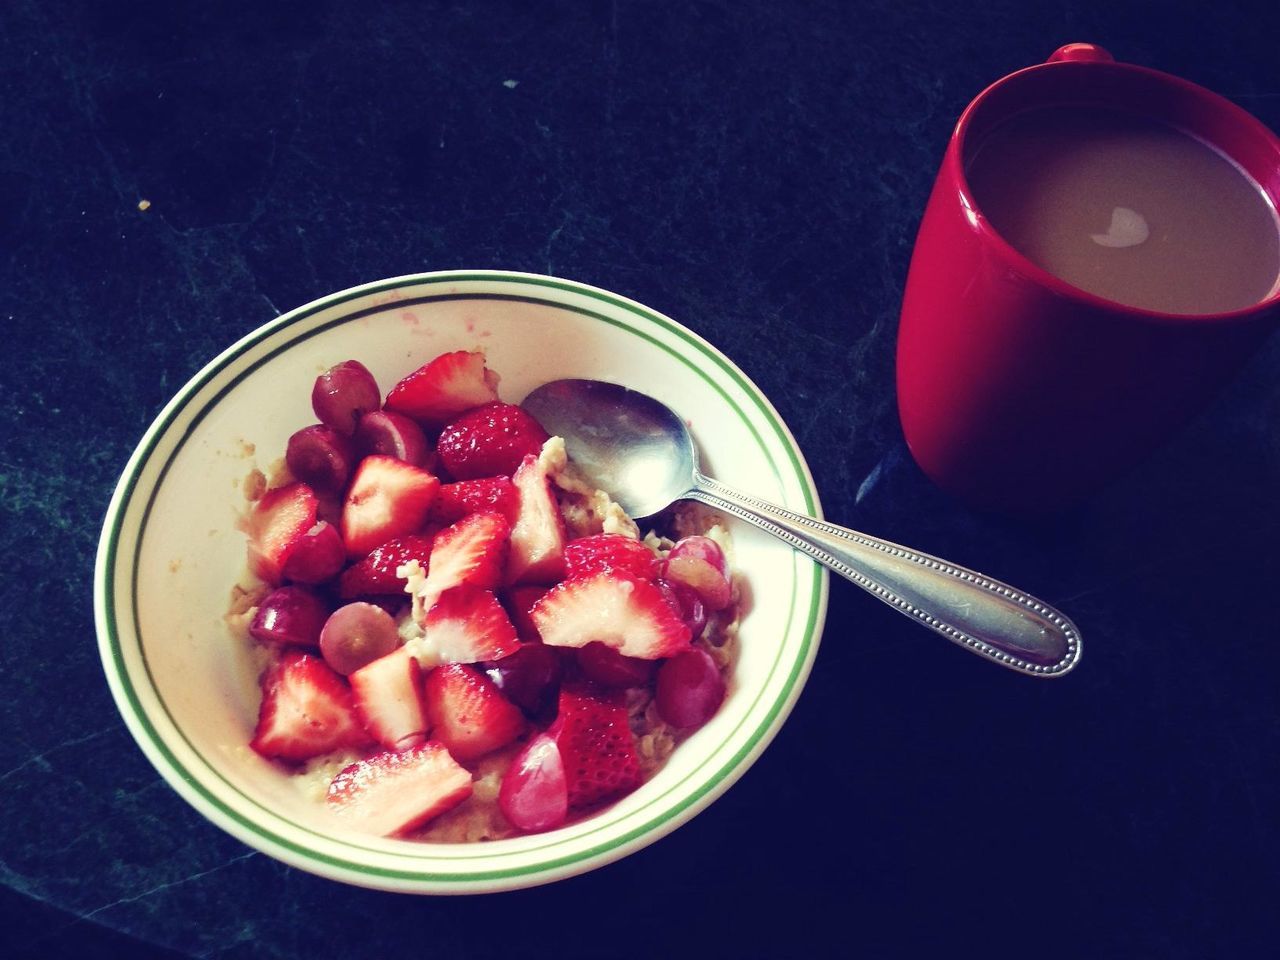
170,553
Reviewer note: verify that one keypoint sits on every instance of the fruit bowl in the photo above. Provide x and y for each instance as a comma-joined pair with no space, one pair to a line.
172,547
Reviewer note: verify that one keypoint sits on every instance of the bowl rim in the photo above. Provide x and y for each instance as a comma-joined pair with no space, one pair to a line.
179,775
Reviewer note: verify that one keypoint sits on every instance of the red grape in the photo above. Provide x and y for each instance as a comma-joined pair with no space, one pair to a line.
343,394
605,665
529,678
392,435
356,634
686,602
698,562
321,457
690,688
290,616
534,794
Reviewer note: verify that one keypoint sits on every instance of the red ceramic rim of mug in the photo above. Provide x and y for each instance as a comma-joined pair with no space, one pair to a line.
1084,74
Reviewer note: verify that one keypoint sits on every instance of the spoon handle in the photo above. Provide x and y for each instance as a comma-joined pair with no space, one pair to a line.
982,615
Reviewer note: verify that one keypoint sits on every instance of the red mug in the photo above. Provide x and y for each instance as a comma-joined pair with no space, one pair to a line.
1019,392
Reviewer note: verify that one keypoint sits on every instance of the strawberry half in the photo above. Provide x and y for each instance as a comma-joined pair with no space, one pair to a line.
279,520
306,711
393,792
485,495
375,574
489,440
387,498
388,700
467,712
609,551
621,611
466,625
537,536
596,746
438,391
472,551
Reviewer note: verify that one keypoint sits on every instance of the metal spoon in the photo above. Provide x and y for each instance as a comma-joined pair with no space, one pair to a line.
639,451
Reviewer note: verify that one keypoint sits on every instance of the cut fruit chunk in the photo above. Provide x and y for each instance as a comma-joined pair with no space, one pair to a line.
609,551
279,520
529,678
621,611
392,435
489,440
466,624
535,794
467,712
290,617
320,457
388,700
518,602
485,495
537,537
388,498
699,563
392,792
597,747
471,552
375,573
306,711
438,391
343,394
317,556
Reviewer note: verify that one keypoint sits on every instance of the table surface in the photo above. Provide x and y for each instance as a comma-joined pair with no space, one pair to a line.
757,171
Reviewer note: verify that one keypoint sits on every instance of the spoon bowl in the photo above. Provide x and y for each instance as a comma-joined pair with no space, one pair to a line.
642,452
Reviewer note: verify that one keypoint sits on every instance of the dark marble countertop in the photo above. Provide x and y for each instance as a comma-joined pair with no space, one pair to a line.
756,170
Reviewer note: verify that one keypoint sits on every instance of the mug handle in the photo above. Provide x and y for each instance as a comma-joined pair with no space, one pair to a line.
1081,52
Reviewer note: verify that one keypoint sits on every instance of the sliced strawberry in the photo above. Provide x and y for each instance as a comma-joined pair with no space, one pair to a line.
375,573
485,495
596,746
466,624
518,601
489,440
388,700
317,556
467,712
306,711
609,551
438,391
619,610
280,519
388,498
537,536
392,792
472,551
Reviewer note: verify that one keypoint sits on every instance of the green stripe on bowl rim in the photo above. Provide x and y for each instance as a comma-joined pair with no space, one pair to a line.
176,772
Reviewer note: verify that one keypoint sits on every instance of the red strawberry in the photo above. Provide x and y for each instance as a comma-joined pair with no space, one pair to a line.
472,551
609,551
280,519
537,536
393,792
597,747
518,601
467,712
375,574
487,494
388,700
387,498
438,391
489,440
619,610
306,710
466,625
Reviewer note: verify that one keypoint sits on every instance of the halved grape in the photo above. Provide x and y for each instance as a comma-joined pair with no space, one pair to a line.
698,562
290,616
320,456
686,603
356,634
529,678
318,556
392,435
343,394
605,665
534,794
689,689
